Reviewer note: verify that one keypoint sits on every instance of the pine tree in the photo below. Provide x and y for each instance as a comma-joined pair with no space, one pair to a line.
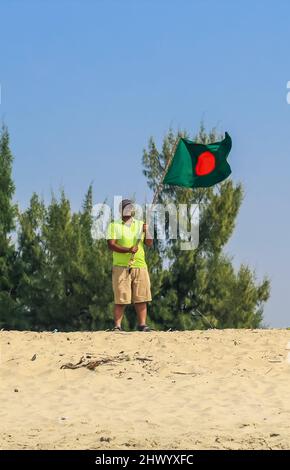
97,311
11,309
33,258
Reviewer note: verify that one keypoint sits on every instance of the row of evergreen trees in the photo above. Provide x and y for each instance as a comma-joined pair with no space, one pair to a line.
54,275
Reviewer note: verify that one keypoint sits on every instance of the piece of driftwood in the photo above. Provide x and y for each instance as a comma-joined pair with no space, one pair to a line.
143,359
90,363
183,373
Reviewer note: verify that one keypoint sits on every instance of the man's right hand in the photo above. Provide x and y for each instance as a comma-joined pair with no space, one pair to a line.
133,249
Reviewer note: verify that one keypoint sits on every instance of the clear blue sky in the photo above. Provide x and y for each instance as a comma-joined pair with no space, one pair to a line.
85,83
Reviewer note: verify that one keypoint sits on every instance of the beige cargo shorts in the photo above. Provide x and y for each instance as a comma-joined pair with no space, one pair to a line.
131,287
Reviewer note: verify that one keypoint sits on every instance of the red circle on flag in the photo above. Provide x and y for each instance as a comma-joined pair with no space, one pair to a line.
205,163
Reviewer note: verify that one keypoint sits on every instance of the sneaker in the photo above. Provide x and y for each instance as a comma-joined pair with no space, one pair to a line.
117,328
144,328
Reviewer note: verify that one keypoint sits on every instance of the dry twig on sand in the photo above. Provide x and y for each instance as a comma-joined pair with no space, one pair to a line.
92,364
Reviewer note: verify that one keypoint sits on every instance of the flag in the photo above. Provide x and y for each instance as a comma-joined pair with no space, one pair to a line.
198,165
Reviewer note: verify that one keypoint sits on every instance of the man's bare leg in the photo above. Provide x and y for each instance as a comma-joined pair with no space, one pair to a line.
141,310
118,314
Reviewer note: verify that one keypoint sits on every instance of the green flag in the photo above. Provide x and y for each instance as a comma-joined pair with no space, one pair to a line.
198,165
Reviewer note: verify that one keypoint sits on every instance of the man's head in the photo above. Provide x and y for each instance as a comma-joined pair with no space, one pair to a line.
127,208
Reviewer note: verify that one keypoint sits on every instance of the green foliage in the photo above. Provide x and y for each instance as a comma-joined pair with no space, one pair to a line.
10,304
55,275
66,272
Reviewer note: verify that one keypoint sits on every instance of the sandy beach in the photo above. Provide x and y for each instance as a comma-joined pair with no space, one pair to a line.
217,389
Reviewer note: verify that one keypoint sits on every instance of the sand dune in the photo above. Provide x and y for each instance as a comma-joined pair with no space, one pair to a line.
218,389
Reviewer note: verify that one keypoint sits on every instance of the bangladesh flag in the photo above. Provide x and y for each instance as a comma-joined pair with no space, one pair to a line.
198,165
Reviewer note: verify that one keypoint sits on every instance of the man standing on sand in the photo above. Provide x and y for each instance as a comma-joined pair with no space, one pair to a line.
131,282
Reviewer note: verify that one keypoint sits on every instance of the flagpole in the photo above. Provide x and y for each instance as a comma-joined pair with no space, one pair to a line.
160,184
157,192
